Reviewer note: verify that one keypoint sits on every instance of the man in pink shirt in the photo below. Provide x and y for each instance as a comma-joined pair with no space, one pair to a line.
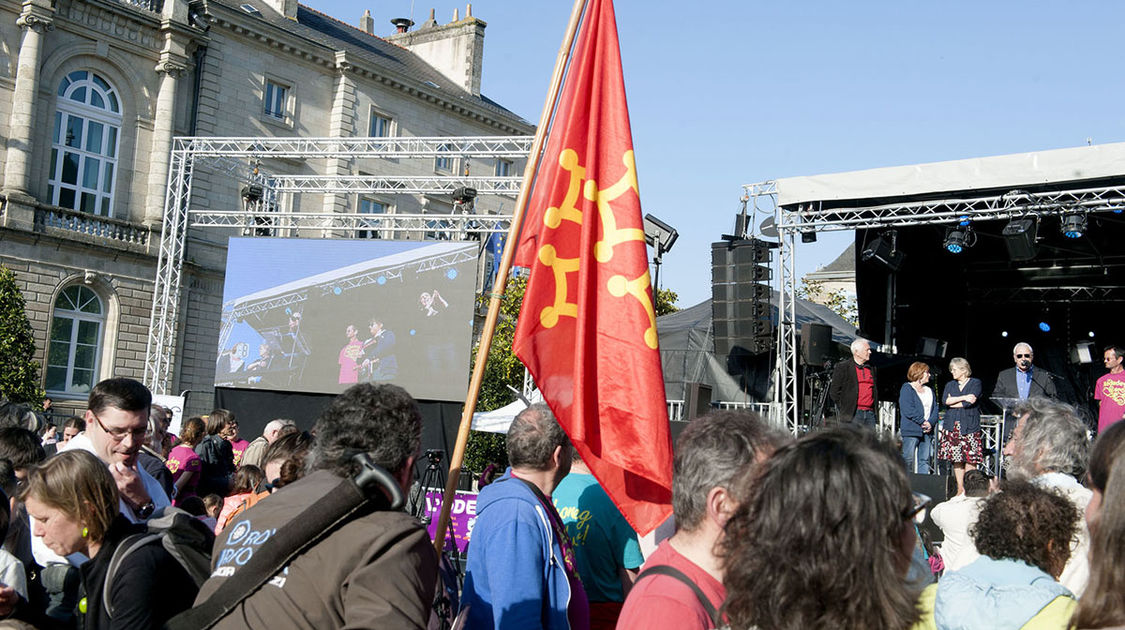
681,585
1110,389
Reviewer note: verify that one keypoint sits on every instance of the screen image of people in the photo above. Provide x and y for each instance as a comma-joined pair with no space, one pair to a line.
330,315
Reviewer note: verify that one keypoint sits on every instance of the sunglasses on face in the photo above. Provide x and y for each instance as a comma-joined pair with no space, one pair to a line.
1023,356
917,512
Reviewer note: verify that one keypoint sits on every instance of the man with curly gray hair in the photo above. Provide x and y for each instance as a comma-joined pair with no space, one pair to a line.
1050,447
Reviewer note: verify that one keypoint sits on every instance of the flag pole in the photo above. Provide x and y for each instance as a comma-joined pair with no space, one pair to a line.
497,294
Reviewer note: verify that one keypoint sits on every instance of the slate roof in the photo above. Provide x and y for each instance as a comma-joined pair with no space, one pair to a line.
844,262
360,46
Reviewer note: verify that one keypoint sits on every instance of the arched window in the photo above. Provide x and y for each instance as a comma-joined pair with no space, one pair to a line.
84,144
76,340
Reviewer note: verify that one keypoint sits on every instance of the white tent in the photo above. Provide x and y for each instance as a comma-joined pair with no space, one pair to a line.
498,420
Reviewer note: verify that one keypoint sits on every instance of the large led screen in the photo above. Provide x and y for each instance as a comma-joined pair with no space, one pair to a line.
321,315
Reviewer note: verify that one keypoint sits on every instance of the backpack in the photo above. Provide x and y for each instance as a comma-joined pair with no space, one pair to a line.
215,469
183,536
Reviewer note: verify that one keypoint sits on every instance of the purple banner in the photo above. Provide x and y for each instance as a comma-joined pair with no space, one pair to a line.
462,516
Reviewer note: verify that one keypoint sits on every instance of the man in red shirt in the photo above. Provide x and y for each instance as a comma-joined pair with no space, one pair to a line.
853,387
681,585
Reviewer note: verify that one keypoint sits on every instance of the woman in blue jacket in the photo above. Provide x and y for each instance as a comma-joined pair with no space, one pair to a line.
919,411
961,438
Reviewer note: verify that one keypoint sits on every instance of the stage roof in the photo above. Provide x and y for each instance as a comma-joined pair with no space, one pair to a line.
1002,172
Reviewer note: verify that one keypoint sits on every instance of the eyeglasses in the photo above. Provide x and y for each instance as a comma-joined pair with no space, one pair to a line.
917,512
1023,356
117,434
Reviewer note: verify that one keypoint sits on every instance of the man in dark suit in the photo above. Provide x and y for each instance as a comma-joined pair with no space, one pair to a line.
853,387
1024,380
380,362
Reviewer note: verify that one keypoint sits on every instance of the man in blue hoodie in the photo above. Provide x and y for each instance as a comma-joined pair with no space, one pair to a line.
521,572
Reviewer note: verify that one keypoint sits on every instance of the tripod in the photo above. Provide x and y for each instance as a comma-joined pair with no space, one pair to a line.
449,568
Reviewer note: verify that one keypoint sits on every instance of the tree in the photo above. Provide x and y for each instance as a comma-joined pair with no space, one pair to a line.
503,369
666,301
19,374
836,300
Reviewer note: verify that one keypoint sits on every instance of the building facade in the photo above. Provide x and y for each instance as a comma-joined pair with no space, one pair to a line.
92,94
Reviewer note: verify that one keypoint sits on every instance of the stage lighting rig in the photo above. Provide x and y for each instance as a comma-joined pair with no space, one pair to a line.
959,238
1073,224
661,237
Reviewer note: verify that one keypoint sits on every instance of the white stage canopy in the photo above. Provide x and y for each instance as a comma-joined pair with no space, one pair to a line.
999,172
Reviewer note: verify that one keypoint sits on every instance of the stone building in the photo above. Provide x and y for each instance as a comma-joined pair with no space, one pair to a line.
92,93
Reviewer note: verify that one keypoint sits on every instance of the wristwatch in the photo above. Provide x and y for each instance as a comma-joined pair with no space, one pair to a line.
146,510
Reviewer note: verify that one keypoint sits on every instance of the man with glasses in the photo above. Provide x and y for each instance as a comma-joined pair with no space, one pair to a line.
116,423
1024,380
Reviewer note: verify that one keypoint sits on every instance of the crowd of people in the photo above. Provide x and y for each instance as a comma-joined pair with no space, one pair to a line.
306,530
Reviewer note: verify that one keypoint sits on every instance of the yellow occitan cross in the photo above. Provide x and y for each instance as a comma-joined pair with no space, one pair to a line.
618,285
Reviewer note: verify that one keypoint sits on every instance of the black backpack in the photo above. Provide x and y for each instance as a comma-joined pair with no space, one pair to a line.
183,536
215,470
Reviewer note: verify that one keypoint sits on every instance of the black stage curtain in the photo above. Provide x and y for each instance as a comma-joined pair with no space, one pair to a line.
254,408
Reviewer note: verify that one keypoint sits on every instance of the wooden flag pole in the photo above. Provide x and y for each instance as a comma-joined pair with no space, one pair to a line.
497,294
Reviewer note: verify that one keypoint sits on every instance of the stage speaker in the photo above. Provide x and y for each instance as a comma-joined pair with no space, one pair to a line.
929,347
937,488
741,298
698,401
1019,236
816,343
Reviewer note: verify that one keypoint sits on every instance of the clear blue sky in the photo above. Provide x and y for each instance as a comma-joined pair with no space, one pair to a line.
729,92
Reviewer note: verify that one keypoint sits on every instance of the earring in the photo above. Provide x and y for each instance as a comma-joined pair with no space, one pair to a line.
85,532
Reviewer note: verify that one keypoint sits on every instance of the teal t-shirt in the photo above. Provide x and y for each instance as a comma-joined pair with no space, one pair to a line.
602,538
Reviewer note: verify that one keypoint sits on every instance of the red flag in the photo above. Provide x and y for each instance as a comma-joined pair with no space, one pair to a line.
587,328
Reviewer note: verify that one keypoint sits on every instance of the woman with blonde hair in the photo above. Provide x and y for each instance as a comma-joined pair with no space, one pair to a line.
73,503
961,438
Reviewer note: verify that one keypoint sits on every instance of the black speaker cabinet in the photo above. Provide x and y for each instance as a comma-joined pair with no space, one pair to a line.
698,400
816,343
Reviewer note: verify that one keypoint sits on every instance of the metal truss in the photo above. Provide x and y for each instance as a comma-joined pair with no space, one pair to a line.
306,148
447,226
814,217
823,216
405,184
1095,295
240,159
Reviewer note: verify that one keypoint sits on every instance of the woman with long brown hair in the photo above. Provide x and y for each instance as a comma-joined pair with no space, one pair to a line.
1102,604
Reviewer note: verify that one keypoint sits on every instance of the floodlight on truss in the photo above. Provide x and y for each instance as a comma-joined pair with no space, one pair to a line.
1073,224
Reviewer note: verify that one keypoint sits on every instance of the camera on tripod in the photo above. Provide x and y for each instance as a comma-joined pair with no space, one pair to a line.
434,455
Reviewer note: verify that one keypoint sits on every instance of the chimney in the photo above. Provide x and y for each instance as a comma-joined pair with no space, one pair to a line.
402,25
367,23
288,8
455,49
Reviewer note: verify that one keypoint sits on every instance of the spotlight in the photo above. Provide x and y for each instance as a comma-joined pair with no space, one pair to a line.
959,238
1044,326
884,250
1019,236
1003,333
1090,334
1073,224
964,220
808,237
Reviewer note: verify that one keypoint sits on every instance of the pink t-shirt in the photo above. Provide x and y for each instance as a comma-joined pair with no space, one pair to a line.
660,601
183,459
1110,391
238,447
